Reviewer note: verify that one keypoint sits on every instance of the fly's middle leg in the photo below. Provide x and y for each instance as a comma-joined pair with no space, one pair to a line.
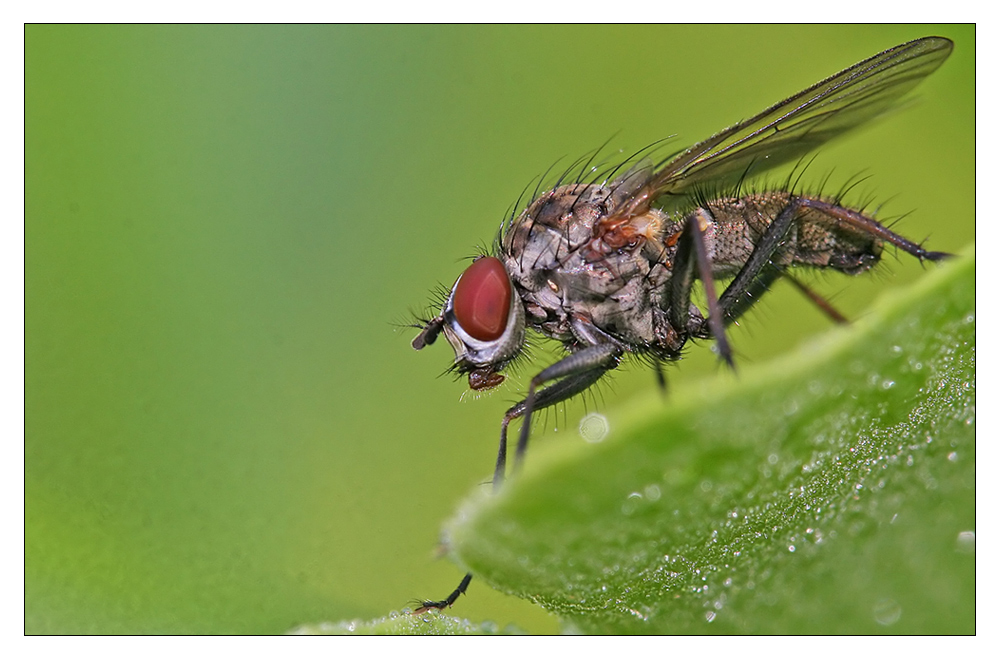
692,258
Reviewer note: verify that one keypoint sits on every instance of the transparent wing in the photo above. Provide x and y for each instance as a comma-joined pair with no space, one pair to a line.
792,128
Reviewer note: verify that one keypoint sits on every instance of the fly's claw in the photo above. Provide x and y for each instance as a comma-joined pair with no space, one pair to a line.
424,606
428,605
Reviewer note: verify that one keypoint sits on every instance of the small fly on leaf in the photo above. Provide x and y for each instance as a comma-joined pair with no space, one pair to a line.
604,262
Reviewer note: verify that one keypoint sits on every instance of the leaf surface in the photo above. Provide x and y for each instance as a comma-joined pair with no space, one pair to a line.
832,491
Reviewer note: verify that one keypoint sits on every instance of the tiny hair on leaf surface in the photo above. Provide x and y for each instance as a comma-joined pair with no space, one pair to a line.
831,491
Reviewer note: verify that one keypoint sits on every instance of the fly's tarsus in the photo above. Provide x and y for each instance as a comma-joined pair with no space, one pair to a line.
427,605
868,226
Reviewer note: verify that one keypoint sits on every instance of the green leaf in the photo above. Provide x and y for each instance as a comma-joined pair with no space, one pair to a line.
832,491
428,623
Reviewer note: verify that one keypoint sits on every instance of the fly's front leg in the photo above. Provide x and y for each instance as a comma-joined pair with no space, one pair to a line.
572,375
551,395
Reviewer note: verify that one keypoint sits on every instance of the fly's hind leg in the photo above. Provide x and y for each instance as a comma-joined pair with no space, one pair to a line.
822,303
849,219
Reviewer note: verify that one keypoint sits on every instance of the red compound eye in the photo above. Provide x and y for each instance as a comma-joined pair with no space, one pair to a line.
482,299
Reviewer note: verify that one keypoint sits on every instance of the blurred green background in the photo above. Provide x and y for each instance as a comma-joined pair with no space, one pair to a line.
224,430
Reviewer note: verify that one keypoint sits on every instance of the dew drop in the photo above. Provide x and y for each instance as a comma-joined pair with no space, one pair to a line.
887,611
594,427
966,542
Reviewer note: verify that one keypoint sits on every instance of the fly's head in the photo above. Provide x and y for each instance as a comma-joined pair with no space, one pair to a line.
483,320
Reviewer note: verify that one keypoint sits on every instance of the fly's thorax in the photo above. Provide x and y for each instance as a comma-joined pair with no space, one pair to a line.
553,226
565,262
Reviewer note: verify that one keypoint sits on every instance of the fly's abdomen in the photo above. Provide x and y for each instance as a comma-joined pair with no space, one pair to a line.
823,234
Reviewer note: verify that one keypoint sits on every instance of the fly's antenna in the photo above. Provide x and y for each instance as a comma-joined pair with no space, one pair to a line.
429,334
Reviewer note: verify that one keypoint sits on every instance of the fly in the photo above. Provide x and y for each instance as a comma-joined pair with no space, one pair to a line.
607,268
